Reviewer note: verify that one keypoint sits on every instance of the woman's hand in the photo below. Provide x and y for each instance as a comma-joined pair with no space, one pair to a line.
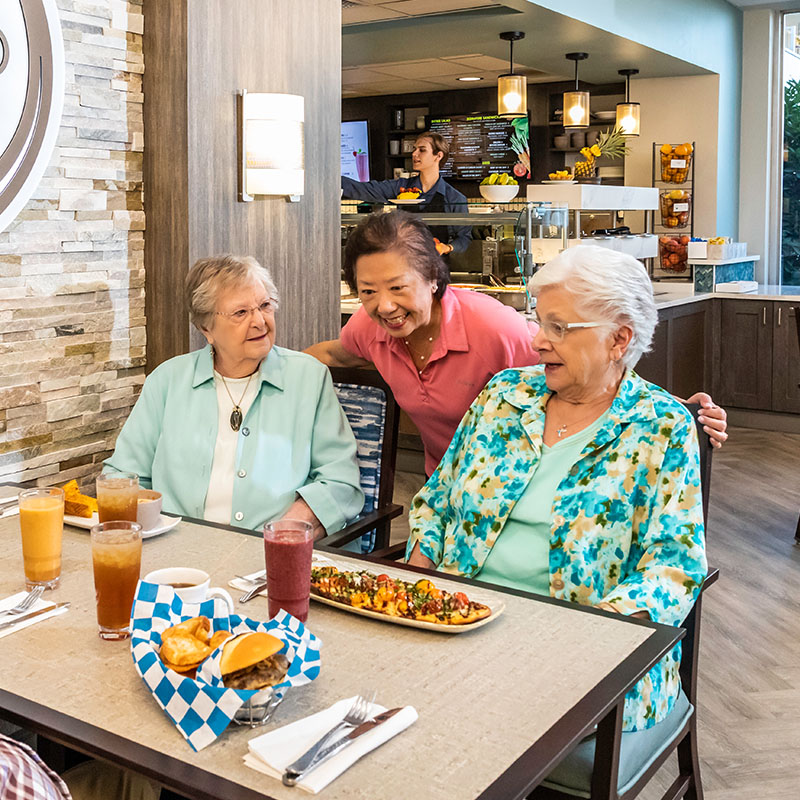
416,559
712,417
333,354
301,510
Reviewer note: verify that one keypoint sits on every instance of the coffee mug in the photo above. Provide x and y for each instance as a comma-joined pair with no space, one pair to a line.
191,585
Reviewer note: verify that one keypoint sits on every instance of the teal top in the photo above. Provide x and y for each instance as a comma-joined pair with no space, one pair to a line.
520,557
294,440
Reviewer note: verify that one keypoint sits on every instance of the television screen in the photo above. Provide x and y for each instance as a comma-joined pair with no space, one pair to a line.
481,144
355,149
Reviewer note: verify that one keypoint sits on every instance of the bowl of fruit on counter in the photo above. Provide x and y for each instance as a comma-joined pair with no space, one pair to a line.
499,188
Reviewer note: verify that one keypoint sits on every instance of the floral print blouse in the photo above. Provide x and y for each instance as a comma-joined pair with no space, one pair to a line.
627,524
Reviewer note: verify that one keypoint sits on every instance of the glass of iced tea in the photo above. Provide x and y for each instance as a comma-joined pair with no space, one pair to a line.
116,559
117,496
41,521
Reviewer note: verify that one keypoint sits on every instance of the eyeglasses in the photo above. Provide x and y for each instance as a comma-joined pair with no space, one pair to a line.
556,331
241,314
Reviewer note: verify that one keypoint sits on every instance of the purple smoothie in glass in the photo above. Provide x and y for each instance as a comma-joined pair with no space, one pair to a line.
288,545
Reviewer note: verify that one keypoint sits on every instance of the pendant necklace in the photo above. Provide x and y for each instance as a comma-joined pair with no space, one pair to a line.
416,352
236,415
560,431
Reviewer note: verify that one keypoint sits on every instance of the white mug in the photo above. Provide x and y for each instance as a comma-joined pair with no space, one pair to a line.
191,585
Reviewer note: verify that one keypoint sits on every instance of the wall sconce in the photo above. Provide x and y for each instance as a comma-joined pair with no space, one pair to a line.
271,160
512,90
627,112
576,104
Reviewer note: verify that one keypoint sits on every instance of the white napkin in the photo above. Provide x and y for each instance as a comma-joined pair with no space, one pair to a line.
317,560
272,752
6,493
10,602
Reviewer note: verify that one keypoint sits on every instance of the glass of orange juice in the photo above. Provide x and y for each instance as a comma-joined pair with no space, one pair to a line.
116,561
117,496
41,521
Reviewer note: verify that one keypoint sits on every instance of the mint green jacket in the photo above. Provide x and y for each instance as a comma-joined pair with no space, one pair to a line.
627,520
294,440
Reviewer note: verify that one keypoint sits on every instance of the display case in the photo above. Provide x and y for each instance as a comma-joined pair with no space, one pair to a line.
586,202
673,176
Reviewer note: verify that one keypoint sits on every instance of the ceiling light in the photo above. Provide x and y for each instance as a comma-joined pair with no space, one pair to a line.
469,78
628,112
512,90
576,104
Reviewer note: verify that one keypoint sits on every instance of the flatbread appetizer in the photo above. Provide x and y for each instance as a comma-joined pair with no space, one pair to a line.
420,601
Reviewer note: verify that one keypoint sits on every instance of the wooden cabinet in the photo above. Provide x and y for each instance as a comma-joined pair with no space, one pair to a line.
680,359
759,357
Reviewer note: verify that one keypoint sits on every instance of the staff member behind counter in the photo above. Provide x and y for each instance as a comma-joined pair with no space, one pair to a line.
430,153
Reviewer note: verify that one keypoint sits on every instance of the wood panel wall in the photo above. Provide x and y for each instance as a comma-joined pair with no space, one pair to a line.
198,55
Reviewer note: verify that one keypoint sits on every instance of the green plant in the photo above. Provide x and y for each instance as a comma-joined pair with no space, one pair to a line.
790,228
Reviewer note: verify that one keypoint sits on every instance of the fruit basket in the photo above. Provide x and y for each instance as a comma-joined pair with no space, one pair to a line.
676,161
673,253
676,208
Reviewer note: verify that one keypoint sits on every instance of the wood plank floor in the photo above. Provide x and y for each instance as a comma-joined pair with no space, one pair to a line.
749,688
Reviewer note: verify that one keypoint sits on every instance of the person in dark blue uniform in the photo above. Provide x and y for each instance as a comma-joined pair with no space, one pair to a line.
430,153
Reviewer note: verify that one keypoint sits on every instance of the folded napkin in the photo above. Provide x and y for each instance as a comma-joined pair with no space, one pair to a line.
10,602
272,752
6,493
245,583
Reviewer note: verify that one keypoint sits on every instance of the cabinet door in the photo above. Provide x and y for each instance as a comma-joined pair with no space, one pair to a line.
690,340
745,366
785,358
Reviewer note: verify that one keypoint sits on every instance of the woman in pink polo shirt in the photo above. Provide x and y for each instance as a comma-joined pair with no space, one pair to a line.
436,346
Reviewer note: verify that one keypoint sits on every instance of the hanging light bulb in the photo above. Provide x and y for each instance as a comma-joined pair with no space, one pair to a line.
576,104
512,89
628,112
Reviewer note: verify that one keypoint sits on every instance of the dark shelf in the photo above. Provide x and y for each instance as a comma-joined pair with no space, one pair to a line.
405,130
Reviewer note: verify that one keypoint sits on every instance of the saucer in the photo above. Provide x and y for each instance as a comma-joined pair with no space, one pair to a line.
165,523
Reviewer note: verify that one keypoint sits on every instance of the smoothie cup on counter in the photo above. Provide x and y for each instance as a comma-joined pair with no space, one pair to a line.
288,545
41,523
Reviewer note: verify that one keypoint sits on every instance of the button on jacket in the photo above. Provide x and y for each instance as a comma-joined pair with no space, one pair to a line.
298,441
627,519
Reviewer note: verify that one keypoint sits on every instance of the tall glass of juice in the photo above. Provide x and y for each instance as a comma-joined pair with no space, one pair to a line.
41,521
117,496
288,544
116,560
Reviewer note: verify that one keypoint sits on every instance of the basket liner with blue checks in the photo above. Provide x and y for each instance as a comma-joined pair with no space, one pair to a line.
202,708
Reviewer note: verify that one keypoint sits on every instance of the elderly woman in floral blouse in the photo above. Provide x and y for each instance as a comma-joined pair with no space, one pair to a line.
576,478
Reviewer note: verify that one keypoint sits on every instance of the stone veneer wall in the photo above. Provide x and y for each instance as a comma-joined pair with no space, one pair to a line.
72,327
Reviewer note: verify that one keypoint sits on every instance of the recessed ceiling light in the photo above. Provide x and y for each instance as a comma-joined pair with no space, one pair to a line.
470,78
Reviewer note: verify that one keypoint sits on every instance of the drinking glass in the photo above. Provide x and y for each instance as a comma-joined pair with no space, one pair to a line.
288,545
117,496
41,522
116,560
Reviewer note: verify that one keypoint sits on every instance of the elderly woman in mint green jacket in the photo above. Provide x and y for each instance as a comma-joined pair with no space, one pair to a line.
576,478
242,432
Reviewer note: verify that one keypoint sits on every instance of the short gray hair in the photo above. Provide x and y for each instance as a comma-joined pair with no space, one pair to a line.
607,286
211,276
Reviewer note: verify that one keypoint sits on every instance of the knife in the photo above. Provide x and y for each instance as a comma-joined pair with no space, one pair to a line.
290,777
58,608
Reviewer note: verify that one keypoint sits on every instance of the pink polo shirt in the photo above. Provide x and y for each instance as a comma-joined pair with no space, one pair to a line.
478,337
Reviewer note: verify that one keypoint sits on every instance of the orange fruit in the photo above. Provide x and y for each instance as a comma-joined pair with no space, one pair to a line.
681,150
666,149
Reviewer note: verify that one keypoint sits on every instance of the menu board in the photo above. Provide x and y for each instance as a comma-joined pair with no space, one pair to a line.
481,144
355,150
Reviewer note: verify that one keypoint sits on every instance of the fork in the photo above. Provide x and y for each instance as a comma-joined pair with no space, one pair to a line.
252,592
358,713
259,577
26,602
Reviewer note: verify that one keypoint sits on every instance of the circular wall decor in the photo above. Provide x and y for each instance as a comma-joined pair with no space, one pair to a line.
32,88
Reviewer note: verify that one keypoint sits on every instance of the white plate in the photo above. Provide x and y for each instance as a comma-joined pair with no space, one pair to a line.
566,183
605,114
165,523
408,202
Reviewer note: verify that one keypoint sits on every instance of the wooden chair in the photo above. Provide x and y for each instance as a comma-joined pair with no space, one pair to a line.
373,415
626,770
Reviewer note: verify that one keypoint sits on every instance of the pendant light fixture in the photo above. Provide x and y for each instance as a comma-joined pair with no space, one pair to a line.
627,112
576,104
512,89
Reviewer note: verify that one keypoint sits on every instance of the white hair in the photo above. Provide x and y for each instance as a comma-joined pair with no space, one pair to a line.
608,287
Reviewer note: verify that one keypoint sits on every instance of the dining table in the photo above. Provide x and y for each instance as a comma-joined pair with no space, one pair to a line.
499,705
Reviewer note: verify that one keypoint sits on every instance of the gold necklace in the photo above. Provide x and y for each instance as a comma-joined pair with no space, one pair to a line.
416,352
236,415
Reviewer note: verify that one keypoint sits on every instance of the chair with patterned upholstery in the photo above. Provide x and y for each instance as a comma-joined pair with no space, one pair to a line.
373,415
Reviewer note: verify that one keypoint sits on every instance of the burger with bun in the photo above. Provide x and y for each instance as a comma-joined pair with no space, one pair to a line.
253,661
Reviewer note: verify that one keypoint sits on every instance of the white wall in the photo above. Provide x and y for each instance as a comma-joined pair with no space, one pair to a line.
681,110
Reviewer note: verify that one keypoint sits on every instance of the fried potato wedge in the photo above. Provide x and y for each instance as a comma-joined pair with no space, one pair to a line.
183,649
199,627
218,638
